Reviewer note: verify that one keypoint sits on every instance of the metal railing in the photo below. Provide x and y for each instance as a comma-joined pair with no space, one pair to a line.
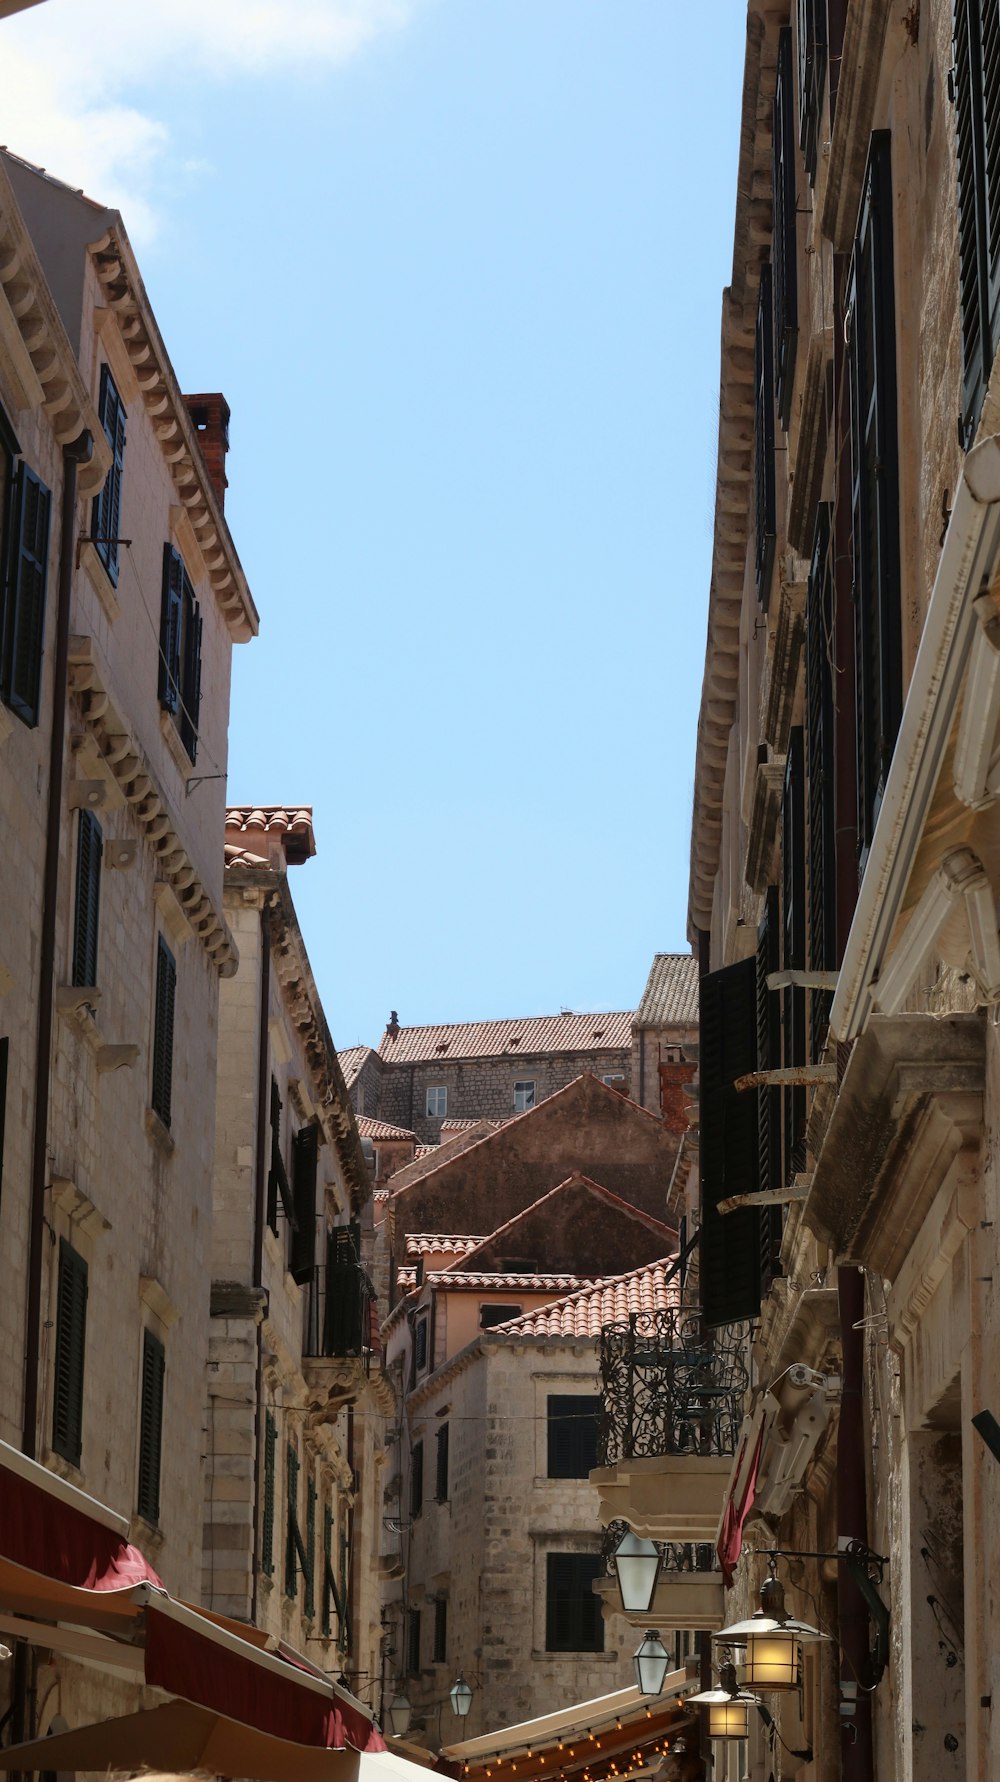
675,1556
670,1386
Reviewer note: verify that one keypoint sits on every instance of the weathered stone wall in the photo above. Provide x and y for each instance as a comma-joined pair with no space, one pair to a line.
483,1088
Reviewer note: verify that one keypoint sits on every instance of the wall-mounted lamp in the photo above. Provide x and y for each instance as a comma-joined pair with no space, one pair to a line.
637,1564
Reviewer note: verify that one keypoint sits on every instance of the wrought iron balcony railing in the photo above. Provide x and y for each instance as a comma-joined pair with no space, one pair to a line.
341,1319
675,1556
670,1386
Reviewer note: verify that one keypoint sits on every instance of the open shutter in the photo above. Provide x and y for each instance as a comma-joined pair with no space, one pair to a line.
4,1058
875,489
763,440
270,1447
793,950
989,15
106,511
163,1031
342,1333
441,1480
293,1540
820,764
191,693
25,613
305,1160
768,1044
151,1427
417,1479
89,850
277,1182
783,250
730,1243
70,1346
972,255
812,36
171,626
309,1562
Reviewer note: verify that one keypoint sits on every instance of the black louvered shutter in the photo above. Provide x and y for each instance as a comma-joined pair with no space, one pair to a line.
106,512
27,574
875,489
768,1043
763,440
730,1242
309,1565
293,1539
70,1347
191,692
4,1060
972,256
344,1296
171,628
89,851
440,1630
793,948
270,1449
783,252
441,1469
305,1162
990,45
812,37
417,1479
151,1427
821,767
163,1031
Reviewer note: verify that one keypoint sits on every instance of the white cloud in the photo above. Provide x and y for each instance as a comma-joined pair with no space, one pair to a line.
71,69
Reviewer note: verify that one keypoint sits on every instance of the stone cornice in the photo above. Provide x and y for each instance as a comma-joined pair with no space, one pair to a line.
128,767
40,360
124,293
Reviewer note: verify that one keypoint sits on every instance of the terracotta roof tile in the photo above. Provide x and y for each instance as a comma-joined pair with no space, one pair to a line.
568,1032
352,1060
670,998
494,1283
406,1277
611,1301
422,1243
380,1129
237,856
450,1127
295,823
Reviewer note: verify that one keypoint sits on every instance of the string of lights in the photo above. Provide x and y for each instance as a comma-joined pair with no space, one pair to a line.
572,1758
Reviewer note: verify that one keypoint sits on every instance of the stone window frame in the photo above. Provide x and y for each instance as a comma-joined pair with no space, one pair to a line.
439,1109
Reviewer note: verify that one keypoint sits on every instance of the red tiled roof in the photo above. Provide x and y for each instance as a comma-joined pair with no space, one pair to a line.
455,1126
670,998
612,1301
518,1038
352,1059
275,819
441,1277
237,856
422,1243
380,1129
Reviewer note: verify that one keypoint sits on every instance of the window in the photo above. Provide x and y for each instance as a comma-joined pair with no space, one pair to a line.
572,1433
812,73
413,1643
614,1079
820,765
89,849
875,489
730,1242
305,1162
150,1427
436,1102
440,1630
105,521
573,1619
493,1315
163,1031
784,246
524,1097
420,1343
71,1338
180,650
26,565
763,441
267,1541
976,76
441,1467
416,1480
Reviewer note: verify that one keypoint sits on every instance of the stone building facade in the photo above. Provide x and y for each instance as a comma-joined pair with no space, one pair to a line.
843,892
297,1396
115,937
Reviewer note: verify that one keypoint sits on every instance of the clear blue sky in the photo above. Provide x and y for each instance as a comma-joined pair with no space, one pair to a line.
462,292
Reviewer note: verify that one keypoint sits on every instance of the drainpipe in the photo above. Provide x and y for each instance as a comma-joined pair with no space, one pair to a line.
260,1217
78,453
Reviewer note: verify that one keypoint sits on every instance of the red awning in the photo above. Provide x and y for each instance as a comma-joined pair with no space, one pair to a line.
44,1530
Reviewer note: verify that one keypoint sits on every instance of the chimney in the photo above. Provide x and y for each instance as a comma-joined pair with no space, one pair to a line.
393,1027
210,414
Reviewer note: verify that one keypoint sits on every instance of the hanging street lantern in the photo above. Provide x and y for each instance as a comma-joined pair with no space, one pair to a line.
727,1709
637,1563
771,1640
460,1695
399,1715
651,1662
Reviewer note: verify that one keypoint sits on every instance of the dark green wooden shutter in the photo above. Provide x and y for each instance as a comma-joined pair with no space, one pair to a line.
305,1161
990,43
793,951
821,767
267,1542
441,1469
345,1295
163,1031
440,1630
151,1427
310,1559
27,575
812,37
191,673
763,440
106,512
292,1536
278,1183
171,628
783,250
972,254
730,1242
875,489
89,851
413,1642
417,1479
70,1349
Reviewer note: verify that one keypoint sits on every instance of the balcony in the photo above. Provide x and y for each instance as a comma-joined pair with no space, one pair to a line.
672,1406
688,1594
341,1349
